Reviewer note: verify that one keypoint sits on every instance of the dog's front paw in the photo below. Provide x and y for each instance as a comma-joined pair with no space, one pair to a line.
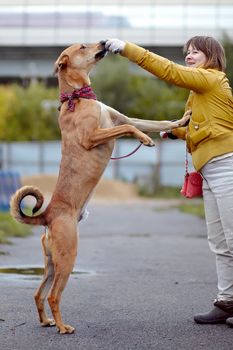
185,119
147,141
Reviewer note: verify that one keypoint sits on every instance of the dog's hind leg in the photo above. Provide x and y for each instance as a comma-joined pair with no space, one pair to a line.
64,251
43,290
60,279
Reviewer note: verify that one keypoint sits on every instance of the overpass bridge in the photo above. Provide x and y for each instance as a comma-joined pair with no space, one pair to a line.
33,32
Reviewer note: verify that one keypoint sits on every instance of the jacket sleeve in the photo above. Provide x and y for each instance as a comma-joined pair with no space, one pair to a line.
196,79
180,133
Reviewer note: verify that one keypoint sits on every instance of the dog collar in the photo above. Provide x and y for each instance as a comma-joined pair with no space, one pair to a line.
84,92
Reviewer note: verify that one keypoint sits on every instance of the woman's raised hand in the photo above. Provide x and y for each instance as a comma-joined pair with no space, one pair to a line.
114,45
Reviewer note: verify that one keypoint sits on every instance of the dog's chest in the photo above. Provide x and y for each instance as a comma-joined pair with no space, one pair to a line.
105,119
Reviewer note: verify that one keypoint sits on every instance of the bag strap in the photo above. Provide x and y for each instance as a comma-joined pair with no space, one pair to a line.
186,154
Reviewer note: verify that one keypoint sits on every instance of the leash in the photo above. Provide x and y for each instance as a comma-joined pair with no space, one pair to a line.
84,92
129,154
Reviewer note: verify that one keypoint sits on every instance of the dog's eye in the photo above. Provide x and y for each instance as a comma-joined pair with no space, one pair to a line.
82,47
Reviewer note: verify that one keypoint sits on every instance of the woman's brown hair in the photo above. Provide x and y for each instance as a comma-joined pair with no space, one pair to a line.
212,49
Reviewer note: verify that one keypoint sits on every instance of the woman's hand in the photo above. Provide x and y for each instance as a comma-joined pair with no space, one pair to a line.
114,45
179,123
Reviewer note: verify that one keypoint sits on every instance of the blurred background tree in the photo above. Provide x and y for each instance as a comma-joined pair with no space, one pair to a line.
28,113
132,91
228,46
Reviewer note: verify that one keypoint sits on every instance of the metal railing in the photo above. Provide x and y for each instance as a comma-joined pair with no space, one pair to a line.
164,162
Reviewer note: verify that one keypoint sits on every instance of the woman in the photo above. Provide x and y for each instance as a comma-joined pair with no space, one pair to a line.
209,140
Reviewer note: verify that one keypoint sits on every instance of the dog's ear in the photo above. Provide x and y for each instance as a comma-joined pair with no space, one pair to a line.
61,63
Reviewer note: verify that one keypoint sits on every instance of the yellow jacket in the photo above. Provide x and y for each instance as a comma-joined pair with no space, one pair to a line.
210,131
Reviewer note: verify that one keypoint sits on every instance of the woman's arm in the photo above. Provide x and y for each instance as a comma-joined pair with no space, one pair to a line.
196,79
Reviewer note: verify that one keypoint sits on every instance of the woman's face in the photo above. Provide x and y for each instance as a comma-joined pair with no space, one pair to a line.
195,58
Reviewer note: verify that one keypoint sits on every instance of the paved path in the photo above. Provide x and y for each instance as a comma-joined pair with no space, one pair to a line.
147,271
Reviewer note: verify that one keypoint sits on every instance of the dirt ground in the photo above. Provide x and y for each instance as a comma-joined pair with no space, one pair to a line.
106,189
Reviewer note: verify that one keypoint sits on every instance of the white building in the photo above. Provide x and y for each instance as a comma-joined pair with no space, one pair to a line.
33,32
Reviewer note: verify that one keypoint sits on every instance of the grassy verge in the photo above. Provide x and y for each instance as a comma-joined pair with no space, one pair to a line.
189,206
11,228
195,208
165,192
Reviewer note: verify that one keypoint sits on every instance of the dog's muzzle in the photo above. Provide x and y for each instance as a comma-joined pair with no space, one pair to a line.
102,52
103,42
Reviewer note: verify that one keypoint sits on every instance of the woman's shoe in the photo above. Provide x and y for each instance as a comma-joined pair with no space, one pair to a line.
222,311
212,317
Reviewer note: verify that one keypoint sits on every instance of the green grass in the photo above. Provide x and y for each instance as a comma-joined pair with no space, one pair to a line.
165,192
194,208
11,228
190,206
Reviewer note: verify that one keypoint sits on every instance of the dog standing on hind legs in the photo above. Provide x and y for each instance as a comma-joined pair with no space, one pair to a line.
88,130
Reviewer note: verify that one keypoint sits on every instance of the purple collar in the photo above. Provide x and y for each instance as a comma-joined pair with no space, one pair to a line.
84,92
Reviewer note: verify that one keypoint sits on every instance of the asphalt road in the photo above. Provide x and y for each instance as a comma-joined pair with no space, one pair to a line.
145,271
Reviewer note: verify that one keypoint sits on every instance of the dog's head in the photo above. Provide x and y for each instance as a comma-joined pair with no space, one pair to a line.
75,63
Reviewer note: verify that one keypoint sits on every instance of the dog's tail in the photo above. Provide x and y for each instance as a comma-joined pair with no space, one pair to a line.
18,214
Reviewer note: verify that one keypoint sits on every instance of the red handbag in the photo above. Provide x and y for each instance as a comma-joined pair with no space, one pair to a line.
192,186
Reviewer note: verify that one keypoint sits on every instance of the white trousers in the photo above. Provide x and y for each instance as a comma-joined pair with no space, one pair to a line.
218,202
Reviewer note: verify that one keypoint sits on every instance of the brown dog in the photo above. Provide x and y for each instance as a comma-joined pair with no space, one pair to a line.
88,130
